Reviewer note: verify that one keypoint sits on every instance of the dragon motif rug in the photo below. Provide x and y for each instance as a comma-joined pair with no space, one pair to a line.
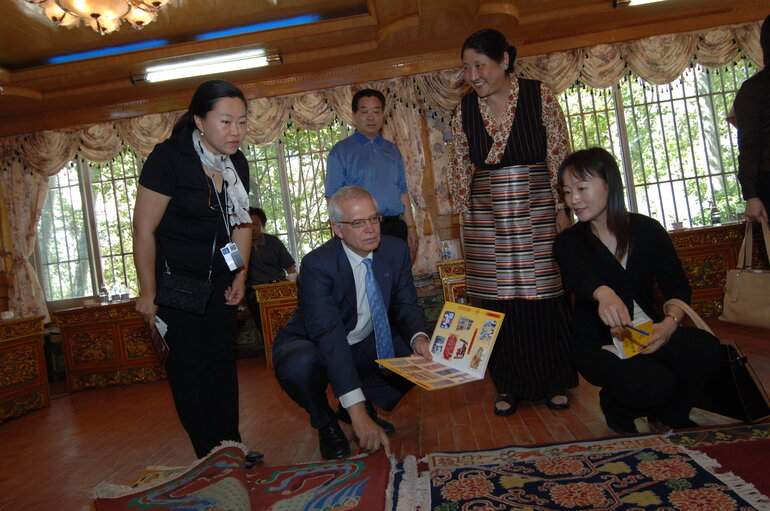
220,482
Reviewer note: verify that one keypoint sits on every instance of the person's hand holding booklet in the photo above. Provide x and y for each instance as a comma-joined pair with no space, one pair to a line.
157,335
460,348
631,340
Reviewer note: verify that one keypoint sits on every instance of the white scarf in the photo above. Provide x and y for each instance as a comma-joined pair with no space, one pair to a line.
234,189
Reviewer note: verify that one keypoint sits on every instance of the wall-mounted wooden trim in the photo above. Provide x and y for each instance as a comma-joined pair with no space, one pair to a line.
20,92
387,30
492,7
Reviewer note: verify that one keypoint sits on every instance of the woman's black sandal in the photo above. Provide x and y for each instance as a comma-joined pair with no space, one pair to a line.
506,399
549,402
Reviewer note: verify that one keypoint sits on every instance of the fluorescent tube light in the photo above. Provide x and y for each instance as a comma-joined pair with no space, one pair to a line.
208,65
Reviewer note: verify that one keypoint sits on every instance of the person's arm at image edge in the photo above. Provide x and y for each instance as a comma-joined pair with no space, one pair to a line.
557,140
748,110
148,212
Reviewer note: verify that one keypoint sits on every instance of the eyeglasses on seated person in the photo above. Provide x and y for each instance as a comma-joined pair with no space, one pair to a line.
360,222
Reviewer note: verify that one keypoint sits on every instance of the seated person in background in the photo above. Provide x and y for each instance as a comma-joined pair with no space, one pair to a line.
269,261
337,330
609,260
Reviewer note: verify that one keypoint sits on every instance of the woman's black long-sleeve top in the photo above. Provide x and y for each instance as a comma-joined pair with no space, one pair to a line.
586,264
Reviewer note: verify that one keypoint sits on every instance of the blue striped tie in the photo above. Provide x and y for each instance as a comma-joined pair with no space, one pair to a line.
382,338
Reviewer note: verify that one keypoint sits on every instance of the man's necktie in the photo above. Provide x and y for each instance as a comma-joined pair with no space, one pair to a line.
382,337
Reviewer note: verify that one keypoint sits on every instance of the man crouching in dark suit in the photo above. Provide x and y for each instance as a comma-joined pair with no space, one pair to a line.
330,337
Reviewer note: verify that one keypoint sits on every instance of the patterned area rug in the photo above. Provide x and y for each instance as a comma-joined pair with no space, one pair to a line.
743,450
635,473
676,471
220,482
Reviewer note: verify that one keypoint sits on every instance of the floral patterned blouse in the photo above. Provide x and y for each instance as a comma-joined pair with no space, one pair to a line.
460,165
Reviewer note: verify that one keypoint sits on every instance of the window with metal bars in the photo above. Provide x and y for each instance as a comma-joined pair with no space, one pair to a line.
678,153
62,256
85,235
288,179
113,189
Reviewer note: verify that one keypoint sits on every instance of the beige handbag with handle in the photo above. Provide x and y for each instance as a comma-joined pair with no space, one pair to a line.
747,291
694,317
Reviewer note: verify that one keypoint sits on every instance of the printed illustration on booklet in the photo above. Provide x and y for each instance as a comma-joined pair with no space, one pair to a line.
461,345
627,342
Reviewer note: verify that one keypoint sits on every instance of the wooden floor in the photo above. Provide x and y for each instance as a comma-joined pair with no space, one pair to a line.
51,458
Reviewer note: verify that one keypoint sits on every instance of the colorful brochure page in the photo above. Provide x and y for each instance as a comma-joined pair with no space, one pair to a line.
630,341
461,345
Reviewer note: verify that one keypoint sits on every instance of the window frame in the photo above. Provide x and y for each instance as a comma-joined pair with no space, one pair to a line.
674,174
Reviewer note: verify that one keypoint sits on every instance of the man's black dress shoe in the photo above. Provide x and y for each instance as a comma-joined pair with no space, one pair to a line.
390,429
332,442
252,458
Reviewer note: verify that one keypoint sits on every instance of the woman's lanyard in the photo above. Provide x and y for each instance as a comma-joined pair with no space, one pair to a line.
219,201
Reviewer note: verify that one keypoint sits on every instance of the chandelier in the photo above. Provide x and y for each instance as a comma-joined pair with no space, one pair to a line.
104,16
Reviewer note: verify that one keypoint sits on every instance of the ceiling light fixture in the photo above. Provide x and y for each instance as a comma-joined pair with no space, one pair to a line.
629,3
208,65
104,16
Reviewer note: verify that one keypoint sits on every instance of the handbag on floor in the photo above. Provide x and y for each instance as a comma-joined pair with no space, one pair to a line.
747,290
735,391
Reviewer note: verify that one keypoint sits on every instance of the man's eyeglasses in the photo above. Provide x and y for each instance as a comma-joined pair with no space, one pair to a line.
360,222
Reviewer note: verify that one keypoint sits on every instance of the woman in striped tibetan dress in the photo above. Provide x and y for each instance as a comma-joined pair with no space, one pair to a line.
509,138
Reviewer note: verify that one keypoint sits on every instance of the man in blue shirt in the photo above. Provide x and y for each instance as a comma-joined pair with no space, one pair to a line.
367,160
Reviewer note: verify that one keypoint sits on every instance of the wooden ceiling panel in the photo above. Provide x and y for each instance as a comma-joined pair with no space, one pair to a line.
357,40
179,21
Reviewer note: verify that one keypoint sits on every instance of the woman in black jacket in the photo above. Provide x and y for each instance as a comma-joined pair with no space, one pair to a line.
609,260
192,201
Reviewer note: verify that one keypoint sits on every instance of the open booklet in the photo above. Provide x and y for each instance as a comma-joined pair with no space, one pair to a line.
461,345
157,335
630,341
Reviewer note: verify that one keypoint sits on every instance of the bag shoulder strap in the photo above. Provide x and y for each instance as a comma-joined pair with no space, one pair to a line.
747,246
690,313
211,260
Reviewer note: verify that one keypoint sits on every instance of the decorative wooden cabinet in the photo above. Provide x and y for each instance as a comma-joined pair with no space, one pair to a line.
23,377
276,304
452,275
706,254
106,345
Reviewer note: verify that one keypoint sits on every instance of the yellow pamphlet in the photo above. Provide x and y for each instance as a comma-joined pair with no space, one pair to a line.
631,341
461,345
